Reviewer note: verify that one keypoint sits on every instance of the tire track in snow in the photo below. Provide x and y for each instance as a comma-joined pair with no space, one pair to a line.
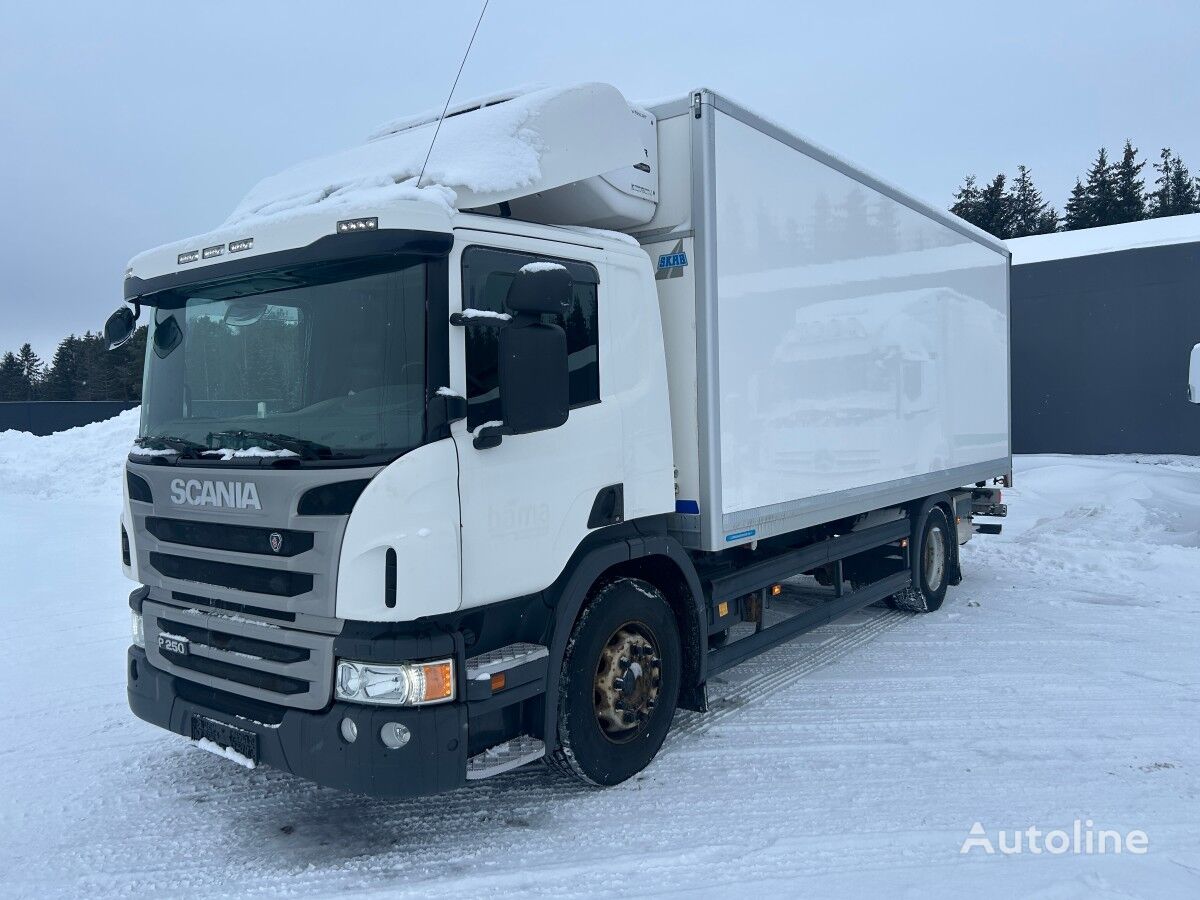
774,678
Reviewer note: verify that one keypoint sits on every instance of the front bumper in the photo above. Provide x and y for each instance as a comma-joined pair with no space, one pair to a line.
309,744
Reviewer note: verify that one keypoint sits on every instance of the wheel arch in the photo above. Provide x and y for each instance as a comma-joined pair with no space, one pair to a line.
657,559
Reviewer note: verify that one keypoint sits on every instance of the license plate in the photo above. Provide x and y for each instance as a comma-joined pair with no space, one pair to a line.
226,736
174,644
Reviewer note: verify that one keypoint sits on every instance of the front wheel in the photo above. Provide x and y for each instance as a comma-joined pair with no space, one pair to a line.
619,683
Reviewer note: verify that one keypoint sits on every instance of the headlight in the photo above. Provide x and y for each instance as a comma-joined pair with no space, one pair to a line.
406,684
139,635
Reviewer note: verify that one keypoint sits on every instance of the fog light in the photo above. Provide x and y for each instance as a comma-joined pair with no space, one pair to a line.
139,635
349,731
394,735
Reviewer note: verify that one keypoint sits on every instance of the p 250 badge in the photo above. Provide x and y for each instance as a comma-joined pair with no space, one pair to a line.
172,643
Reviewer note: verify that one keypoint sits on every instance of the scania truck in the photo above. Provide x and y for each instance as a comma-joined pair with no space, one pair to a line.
459,454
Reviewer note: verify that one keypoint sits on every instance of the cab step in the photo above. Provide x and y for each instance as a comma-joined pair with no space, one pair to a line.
503,757
484,666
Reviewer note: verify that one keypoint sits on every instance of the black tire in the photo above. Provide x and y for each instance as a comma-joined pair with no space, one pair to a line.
934,558
621,620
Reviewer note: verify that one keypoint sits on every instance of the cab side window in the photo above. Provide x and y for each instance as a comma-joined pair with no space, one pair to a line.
486,275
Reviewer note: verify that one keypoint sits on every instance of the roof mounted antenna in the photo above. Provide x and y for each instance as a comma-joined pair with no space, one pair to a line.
450,96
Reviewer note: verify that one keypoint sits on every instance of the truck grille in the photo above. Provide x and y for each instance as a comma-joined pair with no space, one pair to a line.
278,561
256,580
223,536
232,653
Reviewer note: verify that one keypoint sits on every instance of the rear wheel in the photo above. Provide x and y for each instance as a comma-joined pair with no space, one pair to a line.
931,576
619,683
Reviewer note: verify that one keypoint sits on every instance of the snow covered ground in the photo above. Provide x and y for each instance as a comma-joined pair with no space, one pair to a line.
1060,682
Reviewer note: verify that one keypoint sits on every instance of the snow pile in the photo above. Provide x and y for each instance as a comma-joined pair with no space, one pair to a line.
472,313
406,122
489,149
80,463
543,266
352,195
603,233
228,453
1106,239
489,152
227,752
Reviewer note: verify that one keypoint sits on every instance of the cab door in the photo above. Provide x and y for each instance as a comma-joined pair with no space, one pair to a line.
526,502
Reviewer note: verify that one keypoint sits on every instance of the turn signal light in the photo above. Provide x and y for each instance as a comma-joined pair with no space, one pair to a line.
438,682
776,590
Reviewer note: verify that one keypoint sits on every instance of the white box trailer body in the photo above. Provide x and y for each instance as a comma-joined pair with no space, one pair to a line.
833,345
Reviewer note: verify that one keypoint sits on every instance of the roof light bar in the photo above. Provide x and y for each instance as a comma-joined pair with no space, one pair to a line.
348,225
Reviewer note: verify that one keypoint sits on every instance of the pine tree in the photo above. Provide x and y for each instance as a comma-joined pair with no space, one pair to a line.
1101,191
1183,189
62,378
13,383
1162,201
1130,186
966,200
994,213
1028,212
1078,212
31,366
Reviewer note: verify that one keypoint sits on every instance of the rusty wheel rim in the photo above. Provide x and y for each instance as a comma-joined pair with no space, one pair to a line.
628,682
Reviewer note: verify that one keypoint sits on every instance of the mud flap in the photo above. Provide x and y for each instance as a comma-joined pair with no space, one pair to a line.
694,697
954,576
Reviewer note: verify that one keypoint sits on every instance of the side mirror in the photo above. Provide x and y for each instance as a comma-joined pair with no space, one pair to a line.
532,367
119,328
534,387
1194,375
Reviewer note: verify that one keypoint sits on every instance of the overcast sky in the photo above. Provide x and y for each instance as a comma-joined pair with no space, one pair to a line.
126,125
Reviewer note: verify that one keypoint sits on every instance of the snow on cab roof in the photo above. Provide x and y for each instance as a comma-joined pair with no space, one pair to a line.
488,151
1105,239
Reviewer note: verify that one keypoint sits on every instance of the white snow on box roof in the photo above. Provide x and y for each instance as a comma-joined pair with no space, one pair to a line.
486,154
406,122
1106,239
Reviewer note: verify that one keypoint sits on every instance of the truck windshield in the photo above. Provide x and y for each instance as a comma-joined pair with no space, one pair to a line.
324,364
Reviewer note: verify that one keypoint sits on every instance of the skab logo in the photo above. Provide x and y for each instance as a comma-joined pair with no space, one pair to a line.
218,494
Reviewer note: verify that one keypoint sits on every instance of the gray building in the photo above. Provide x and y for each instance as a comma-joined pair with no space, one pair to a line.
1103,321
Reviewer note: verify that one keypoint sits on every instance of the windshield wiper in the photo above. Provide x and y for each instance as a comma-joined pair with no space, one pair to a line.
182,446
304,448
